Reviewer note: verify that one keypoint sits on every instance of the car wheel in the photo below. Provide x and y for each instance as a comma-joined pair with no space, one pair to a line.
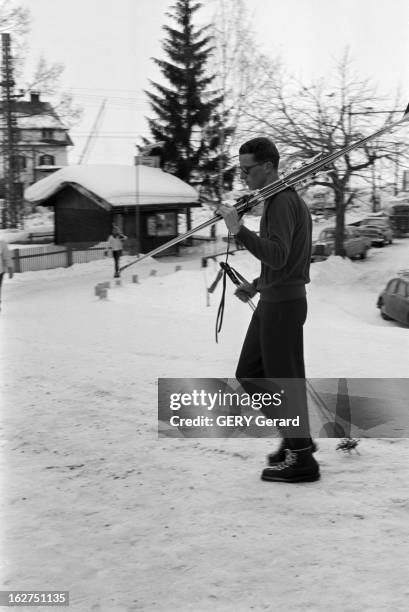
390,241
385,316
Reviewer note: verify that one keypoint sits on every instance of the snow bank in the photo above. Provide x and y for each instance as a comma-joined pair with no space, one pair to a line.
371,274
334,271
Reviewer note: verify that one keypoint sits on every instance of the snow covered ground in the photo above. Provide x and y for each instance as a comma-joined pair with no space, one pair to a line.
94,503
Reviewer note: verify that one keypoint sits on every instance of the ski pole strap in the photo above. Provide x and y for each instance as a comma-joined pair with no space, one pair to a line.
220,311
235,276
237,279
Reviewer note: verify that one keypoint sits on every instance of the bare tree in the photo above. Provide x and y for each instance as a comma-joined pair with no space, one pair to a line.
322,118
239,64
46,78
15,20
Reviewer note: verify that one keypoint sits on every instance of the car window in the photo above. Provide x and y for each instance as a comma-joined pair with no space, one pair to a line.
402,289
392,286
379,222
327,234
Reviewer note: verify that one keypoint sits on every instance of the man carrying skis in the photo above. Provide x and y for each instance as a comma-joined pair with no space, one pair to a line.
273,347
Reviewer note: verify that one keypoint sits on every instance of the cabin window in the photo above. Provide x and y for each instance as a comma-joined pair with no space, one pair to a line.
161,224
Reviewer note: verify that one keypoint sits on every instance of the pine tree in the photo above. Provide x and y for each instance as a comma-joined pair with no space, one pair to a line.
185,112
215,161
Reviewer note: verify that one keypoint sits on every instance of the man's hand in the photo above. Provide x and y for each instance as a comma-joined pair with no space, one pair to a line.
231,217
245,291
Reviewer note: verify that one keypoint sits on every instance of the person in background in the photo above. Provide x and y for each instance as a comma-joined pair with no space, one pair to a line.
115,243
5,263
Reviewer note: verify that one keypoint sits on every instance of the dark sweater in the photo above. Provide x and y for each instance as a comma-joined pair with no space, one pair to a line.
283,247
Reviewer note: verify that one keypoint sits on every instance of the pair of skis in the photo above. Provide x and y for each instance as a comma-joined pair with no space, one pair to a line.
246,203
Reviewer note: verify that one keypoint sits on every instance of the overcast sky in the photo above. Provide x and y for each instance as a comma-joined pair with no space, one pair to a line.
106,48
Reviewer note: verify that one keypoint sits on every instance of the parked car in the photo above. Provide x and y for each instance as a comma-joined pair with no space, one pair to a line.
374,234
355,245
393,302
399,219
381,223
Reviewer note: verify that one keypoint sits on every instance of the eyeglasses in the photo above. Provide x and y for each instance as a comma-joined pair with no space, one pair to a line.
245,171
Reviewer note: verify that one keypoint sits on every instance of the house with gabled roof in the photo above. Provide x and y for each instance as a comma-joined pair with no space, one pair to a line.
145,203
42,139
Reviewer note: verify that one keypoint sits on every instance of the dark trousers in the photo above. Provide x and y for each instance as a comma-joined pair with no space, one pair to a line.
117,256
274,349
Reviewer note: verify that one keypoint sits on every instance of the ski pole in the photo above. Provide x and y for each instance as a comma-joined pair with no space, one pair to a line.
233,275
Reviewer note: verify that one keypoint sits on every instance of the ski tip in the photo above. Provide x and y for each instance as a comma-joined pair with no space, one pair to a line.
406,111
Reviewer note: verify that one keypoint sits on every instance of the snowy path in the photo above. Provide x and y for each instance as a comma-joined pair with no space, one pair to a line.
94,503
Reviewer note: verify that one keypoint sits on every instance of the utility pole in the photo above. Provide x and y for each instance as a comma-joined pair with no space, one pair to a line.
146,158
12,208
396,180
374,196
222,139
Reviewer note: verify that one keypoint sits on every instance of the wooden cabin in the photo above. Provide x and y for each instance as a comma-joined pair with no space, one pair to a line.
144,202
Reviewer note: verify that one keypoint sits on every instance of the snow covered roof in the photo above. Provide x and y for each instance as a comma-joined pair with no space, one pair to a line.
42,121
117,185
37,115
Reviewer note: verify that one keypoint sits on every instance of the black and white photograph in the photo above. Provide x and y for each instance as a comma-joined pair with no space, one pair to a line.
204,305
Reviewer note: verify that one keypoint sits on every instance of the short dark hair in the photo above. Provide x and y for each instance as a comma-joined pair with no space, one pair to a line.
263,149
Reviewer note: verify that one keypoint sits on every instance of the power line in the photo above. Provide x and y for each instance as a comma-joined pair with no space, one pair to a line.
100,89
